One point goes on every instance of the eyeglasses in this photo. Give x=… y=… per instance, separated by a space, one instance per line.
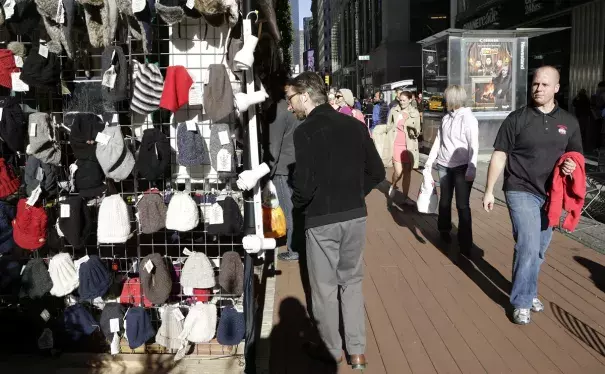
x=338 y=96
x=289 y=98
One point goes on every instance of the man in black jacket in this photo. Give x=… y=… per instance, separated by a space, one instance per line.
x=337 y=165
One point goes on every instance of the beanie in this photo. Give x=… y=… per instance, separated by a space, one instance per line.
x=152 y=212
x=112 y=311
x=41 y=143
x=84 y=130
x=231 y=327
x=231 y=274
x=170 y=11
x=95 y=279
x=216 y=146
x=9 y=182
x=176 y=86
x=170 y=329
x=35 y=280
x=218 y=94
x=115 y=158
x=114 y=221
x=156 y=282
x=119 y=91
x=200 y=324
x=29 y=226
x=77 y=225
x=101 y=21
x=59 y=33
x=138 y=327
x=10 y=276
x=7 y=66
x=63 y=275
x=154 y=154
x=347 y=95
x=12 y=124
x=192 y=149
x=43 y=72
x=48 y=184
x=182 y=213
x=89 y=179
x=131 y=293
x=198 y=271
x=7 y=214
x=26 y=19
x=78 y=322
x=232 y=219
x=148 y=87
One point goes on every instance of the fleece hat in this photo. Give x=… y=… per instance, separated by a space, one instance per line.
x=48 y=174
x=170 y=11
x=119 y=91
x=154 y=154
x=182 y=214
x=218 y=132
x=152 y=212
x=170 y=329
x=7 y=66
x=200 y=323
x=101 y=21
x=75 y=221
x=7 y=214
x=41 y=142
x=148 y=87
x=138 y=327
x=60 y=33
x=231 y=327
x=84 y=130
x=155 y=279
x=131 y=293
x=29 y=226
x=13 y=124
x=63 y=274
x=114 y=221
x=115 y=158
x=78 y=322
x=42 y=72
x=95 y=279
x=231 y=274
x=218 y=94
x=198 y=271
x=192 y=149
x=35 y=280
x=347 y=95
x=9 y=182
x=176 y=87
x=232 y=219
x=112 y=311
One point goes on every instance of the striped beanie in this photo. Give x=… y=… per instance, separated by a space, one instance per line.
x=148 y=87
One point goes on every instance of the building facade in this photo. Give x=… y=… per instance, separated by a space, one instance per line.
x=322 y=37
x=295 y=48
x=307 y=32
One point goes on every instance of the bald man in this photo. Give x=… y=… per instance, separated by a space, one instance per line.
x=528 y=145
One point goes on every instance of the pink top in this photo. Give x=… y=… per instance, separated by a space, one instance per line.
x=345 y=110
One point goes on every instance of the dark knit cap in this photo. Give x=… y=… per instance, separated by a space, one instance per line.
x=152 y=213
x=26 y=20
x=13 y=124
x=111 y=311
x=85 y=128
x=49 y=179
x=231 y=275
x=231 y=327
x=154 y=154
x=95 y=279
x=232 y=219
x=77 y=227
x=138 y=327
x=78 y=322
x=157 y=284
x=192 y=149
x=89 y=179
x=119 y=91
x=35 y=280
x=10 y=275
x=218 y=94
x=43 y=72
x=7 y=214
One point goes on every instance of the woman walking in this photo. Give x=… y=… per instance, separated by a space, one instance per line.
x=455 y=150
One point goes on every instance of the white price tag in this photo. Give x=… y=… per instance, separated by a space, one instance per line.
x=196 y=95
x=188 y=291
x=149 y=266
x=138 y=5
x=19 y=61
x=34 y=196
x=65 y=211
x=191 y=126
x=22 y=268
x=43 y=51
x=115 y=118
x=216 y=262
x=17 y=84
x=102 y=138
x=190 y=4
x=45 y=315
x=9 y=9
x=40 y=174
x=224 y=137
x=205 y=76
x=114 y=347
x=114 y=325
x=239 y=308
x=223 y=161
x=1 y=112
x=109 y=77
x=216 y=215
x=178 y=314
x=80 y=261
x=32 y=129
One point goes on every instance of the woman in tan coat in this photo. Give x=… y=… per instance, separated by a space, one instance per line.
x=405 y=119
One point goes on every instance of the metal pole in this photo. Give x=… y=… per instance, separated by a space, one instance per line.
x=357 y=79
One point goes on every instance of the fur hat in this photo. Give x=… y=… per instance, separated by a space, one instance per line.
x=26 y=20
x=198 y=271
x=63 y=274
x=200 y=324
x=152 y=212
x=139 y=25
x=231 y=274
x=115 y=158
x=170 y=329
x=170 y=11
x=17 y=48
x=60 y=33
x=101 y=21
x=41 y=142
x=347 y=95
x=114 y=221
x=219 y=12
x=157 y=283
x=183 y=213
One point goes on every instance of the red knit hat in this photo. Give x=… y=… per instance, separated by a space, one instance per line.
x=29 y=226
x=7 y=66
x=176 y=88
x=9 y=183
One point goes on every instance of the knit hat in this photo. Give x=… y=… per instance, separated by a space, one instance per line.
x=231 y=327
x=138 y=327
x=152 y=213
x=10 y=276
x=170 y=329
x=170 y=11
x=77 y=226
x=112 y=311
x=101 y=21
x=29 y=226
x=216 y=146
x=114 y=221
x=43 y=72
x=63 y=274
x=232 y=219
x=13 y=124
x=41 y=143
x=156 y=283
x=9 y=182
x=148 y=87
x=35 y=280
x=89 y=179
x=347 y=95
x=192 y=149
x=7 y=66
x=49 y=177
x=154 y=154
x=119 y=91
x=176 y=86
x=59 y=32
x=182 y=213
x=200 y=324
x=131 y=293
x=78 y=322
x=26 y=19
x=218 y=94
x=7 y=214
x=84 y=130
x=115 y=158
x=139 y=24
x=231 y=274
x=198 y=271
x=95 y=279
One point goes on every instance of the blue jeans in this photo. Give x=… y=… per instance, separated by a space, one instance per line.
x=450 y=180
x=532 y=237
x=284 y=194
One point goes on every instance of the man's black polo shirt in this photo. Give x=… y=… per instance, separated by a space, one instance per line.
x=534 y=142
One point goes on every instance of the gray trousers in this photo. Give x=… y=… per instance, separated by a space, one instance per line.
x=334 y=259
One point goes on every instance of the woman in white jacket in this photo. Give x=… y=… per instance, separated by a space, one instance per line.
x=455 y=151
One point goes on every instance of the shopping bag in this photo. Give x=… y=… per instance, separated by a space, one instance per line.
x=269 y=196
x=428 y=200
x=274 y=222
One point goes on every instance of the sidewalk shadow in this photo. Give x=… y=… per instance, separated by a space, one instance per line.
x=581 y=330
x=597 y=271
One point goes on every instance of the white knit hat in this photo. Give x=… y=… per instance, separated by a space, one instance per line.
x=63 y=274
x=171 y=328
x=198 y=271
x=114 y=221
x=200 y=324
x=182 y=214
x=115 y=158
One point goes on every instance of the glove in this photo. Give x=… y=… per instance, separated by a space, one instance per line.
x=249 y=178
x=254 y=243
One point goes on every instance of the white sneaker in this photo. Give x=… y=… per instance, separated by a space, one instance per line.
x=537 y=306
x=522 y=316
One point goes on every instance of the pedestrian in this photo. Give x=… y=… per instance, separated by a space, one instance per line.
x=383 y=138
x=529 y=143
x=345 y=101
x=332 y=101
x=380 y=111
x=414 y=102
x=395 y=100
x=357 y=104
x=337 y=166
x=455 y=150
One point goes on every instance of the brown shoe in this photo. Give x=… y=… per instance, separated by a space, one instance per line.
x=358 y=362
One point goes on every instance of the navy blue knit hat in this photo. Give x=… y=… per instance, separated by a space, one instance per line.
x=10 y=277
x=138 y=327
x=78 y=322
x=231 y=327
x=7 y=214
x=95 y=279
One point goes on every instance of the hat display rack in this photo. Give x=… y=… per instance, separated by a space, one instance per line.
x=165 y=236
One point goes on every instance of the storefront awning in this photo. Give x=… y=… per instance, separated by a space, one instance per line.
x=518 y=33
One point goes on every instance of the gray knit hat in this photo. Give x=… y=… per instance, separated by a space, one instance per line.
x=171 y=328
x=41 y=143
x=148 y=87
x=156 y=283
x=112 y=311
x=218 y=94
x=152 y=213
x=119 y=91
x=49 y=177
x=198 y=271
x=115 y=158
x=216 y=146
x=231 y=274
x=35 y=280
x=192 y=149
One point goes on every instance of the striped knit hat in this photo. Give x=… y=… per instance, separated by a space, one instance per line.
x=148 y=87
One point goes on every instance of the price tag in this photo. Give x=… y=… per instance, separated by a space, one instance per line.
x=32 y=129
x=239 y=308
x=43 y=51
x=114 y=347
x=188 y=291
x=45 y=315
x=34 y=196
x=109 y=77
x=190 y=4
x=196 y=95
x=216 y=215
x=22 y=269
x=138 y=5
x=102 y=138
x=149 y=266
x=224 y=137
x=1 y=112
x=19 y=61
x=191 y=126
x=40 y=174
x=178 y=314
x=223 y=161
x=115 y=118
x=17 y=84
x=9 y=9
x=216 y=262
x=80 y=261
x=60 y=17
x=114 y=325
x=204 y=45
x=65 y=211
x=155 y=146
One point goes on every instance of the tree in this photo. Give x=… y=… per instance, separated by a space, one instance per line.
x=283 y=15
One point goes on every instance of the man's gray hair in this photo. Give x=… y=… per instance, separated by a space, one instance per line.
x=312 y=84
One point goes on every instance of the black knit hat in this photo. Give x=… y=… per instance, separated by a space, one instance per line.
x=154 y=154
x=95 y=279
x=26 y=20
x=77 y=227
x=10 y=277
x=49 y=177
x=13 y=124
x=43 y=72
x=119 y=91
x=84 y=130
x=232 y=219
x=111 y=311
x=89 y=179
x=231 y=275
x=157 y=284
x=35 y=280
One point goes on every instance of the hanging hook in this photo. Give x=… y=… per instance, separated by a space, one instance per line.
x=255 y=12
